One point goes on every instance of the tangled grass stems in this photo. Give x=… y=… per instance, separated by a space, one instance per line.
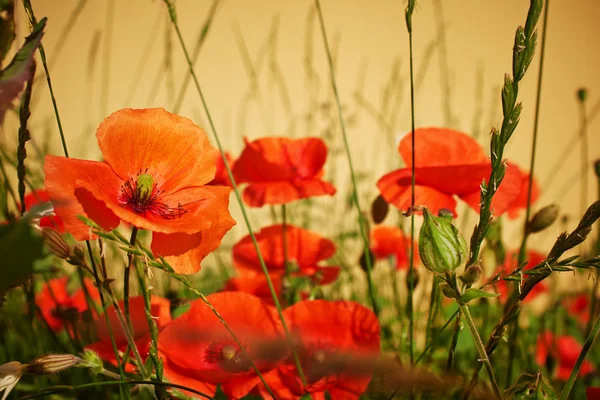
x=355 y=198
x=173 y=18
x=411 y=263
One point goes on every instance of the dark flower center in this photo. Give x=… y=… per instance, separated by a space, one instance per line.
x=142 y=195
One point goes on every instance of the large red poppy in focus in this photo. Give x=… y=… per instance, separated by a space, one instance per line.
x=160 y=308
x=279 y=170
x=305 y=251
x=448 y=163
x=564 y=350
x=156 y=165
x=330 y=334
x=198 y=351
x=389 y=241
x=59 y=307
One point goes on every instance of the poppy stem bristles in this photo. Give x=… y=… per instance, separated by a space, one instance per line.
x=355 y=199
x=173 y=18
x=411 y=263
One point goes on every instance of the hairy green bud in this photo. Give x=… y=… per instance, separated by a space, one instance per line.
x=441 y=246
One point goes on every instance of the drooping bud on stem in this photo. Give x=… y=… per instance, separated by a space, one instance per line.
x=441 y=246
x=52 y=363
x=543 y=218
x=56 y=243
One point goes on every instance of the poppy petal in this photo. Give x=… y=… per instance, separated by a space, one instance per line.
x=304 y=247
x=441 y=147
x=171 y=148
x=283 y=192
x=62 y=175
x=184 y=377
x=509 y=190
x=520 y=202
x=399 y=194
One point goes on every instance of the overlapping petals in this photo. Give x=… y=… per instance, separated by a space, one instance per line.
x=332 y=338
x=160 y=310
x=38 y=197
x=389 y=241
x=448 y=163
x=156 y=165
x=60 y=308
x=280 y=170
x=221 y=176
x=200 y=353
x=305 y=250
x=564 y=351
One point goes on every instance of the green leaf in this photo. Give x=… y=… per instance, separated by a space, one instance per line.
x=472 y=294
x=20 y=247
x=14 y=76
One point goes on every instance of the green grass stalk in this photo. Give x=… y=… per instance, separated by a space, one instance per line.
x=173 y=17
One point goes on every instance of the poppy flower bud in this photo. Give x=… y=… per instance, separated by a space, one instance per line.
x=415 y=279
x=543 y=218
x=472 y=274
x=52 y=363
x=582 y=94
x=441 y=246
x=56 y=243
x=379 y=209
x=597 y=168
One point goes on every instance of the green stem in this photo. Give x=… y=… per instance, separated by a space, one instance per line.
x=434 y=302
x=173 y=17
x=411 y=271
x=106 y=317
x=126 y=278
x=564 y=395
x=64 y=389
x=361 y=222
x=454 y=342
x=523 y=250
x=439 y=335
x=483 y=356
x=284 y=235
x=584 y=157
x=33 y=20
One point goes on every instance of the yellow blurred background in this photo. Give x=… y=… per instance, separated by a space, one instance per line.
x=125 y=54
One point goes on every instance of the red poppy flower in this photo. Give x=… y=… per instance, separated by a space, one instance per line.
x=564 y=350
x=592 y=393
x=156 y=165
x=255 y=283
x=221 y=176
x=279 y=170
x=61 y=308
x=327 y=331
x=579 y=307
x=305 y=250
x=198 y=352
x=520 y=202
x=448 y=163
x=160 y=309
x=389 y=241
x=510 y=263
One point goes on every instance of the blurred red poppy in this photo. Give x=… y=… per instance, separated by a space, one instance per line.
x=389 y=241
x=221 y=176
x=332 y=336
x=156 y=165
x=280 y=170
x=510 y=264
x=199 y=352
x=160 y=309
x=305 y=250
x=579 y=307
x=520 y=203
x=60 y=308
x=564 y=351
x=255 y=283
x=592 y=393
x=448 y=163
